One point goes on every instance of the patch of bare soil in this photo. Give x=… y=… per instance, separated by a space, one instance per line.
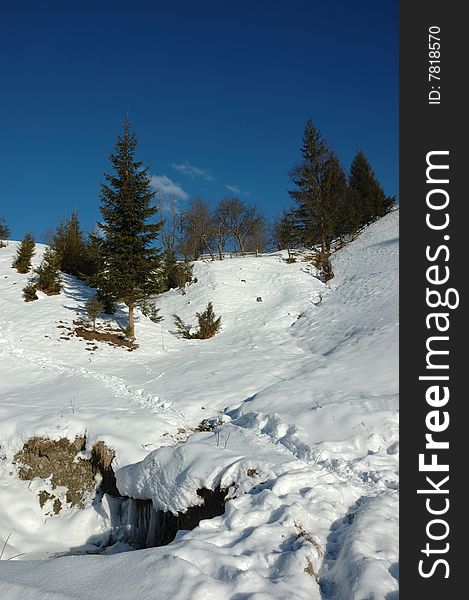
x=106 y=333
x=111 y=335
x=60 y=460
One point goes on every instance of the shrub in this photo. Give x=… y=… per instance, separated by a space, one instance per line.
x=183 y=329
x=208 y=325
x=29 y=292
x=94 y=306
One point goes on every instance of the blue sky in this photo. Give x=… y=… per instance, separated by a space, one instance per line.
x=218 y=93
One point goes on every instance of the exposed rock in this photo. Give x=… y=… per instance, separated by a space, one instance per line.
x=59 y=460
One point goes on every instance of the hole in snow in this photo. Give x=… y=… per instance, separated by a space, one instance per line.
x=141 y=526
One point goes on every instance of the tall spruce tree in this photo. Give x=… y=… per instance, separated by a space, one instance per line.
x=24 y=254
x=335 y=186
x=350 y=216
x=366 y=192
x=130 y=270
x=320 y=187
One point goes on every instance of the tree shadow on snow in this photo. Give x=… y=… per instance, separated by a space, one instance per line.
x=80 y=292
x=390 y=242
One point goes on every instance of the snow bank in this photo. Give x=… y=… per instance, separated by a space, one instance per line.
x=171 y=476
x=305 y=383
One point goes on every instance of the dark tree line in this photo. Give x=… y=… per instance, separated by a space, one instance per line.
x=328 y=205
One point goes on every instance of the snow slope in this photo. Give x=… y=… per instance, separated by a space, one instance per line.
x=304 y=386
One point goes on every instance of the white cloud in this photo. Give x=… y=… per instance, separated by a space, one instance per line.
x=190 y=170
x=167 y=187
x=233 y=188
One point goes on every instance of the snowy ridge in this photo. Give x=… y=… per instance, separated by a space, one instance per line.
x=304 y=388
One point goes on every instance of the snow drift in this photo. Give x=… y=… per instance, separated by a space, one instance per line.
x=303 y=396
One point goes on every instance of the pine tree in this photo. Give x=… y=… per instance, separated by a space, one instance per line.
x=335 y=187
x=183 y=329
x=286 y=232
x=366 y=192
x=208 y=324
x=24 y=254
x=320 y=186
x=93 y=265
x=48 y=273
x=130 y=269
x=150 y=310
x=69 y=244
x=4 y=232
x=349 y=222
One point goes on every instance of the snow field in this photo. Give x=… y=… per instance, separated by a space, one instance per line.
x=305 y=387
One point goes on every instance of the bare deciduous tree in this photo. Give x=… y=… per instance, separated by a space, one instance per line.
x=240 y=221
x=199 y=230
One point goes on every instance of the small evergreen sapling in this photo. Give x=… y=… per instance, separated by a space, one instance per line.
x=182 y=328
x=29 y=292
x=94 y=307
x=24 y=254
x=48 y=273
x=149 y=309
x=208 y=325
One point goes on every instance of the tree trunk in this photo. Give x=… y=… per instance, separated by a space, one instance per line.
x=131 y=324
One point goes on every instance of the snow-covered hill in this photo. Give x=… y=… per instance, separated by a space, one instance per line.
x=304 y=386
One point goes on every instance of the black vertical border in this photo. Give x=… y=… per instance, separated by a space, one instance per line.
x=424 y=128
